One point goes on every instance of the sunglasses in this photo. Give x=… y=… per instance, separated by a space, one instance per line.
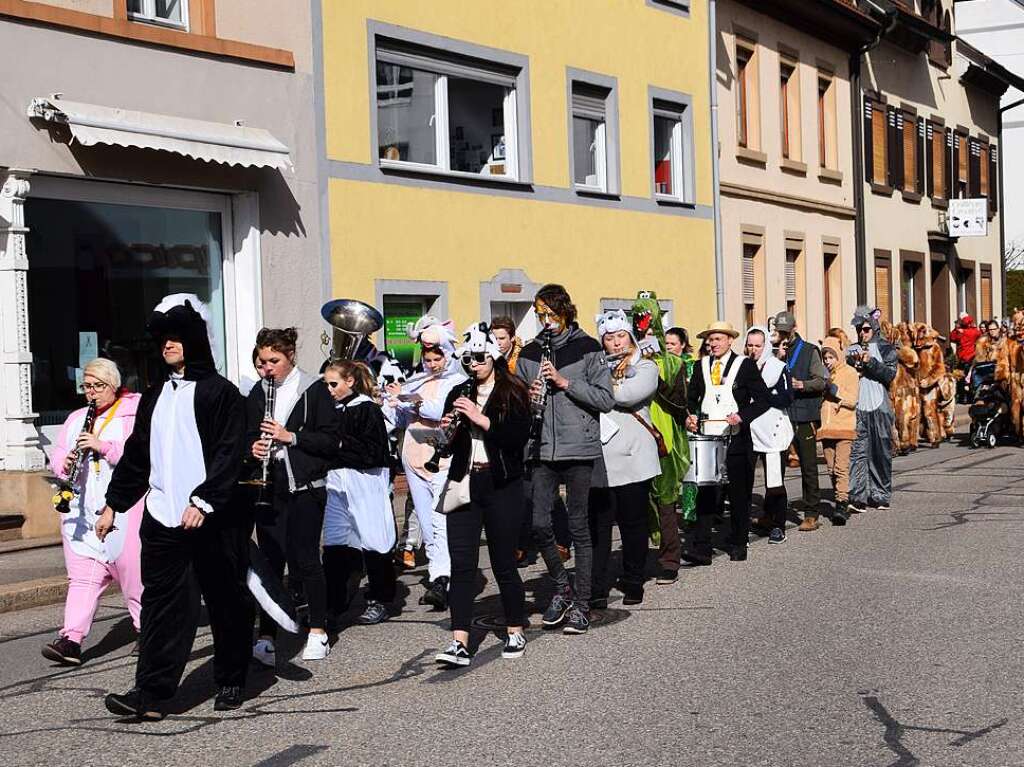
x=333 y=384
x=469 y=357
x=864 y=330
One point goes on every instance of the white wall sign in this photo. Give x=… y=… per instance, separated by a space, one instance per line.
x=968 y=218
x=88 y=346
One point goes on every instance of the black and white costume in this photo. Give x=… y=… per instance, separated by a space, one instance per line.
x=289 y=530
x=185 y=450
x=359 y=527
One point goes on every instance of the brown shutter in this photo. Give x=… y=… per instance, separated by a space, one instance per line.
x=986 y=291
x=974 y=168
x=929 y=152
x=880 y=169
x=909 y=174
x=993 y=177
x=983 y=167
x=963 y=159
x=883 y=281
x=919 y=156
x=947 y=154
x=894 y=149
x=869 y=136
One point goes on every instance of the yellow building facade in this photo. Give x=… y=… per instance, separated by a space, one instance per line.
x=475 y=151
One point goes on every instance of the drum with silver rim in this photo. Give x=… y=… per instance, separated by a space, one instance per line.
x=707 y=459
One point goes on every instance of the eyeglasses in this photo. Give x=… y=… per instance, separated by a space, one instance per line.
x=96 y=387
x=542 y=315
x=469 y=357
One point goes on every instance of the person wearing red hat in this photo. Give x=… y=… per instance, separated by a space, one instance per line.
x=965 y=335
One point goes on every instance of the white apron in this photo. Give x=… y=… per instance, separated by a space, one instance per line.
x=719 y=401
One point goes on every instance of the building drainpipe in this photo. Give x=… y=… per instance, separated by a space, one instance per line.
x=716 y=189
x=856 y=107
x=1002 y=199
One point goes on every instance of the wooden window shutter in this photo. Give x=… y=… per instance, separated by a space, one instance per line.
x=791 y=257
x=908 y=129
x=963 y=158
x=869 y=154
x=882 y=287
x=993 y=177
x=947 y=157
x=748 y=275
x=983 y=169
x=974 y=168
x=919 y=157
x=986 y=291
x=880 y=170
x=895 y=119
x=929 y=152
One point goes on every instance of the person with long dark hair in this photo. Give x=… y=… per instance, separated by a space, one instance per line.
x=484 y=490
x=302 y=438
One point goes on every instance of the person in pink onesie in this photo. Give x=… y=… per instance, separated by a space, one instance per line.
x=93 y=564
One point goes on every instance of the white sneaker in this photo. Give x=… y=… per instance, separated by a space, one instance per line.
x=264 y=653
x=317 y=647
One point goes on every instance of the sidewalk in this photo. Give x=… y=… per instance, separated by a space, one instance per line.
x=30 y=577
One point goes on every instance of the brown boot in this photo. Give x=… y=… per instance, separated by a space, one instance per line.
x=809 y=524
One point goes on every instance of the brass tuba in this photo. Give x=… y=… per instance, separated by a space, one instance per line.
x=351 y=321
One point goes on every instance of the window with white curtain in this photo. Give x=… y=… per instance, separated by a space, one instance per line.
x=673 y=171
x=590 y=137
x=446 y=114
x=173 y=13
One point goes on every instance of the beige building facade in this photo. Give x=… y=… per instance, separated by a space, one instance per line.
x=931 y=131
x=787 y=180
x=145 y=149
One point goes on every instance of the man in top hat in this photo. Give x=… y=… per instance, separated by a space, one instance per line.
x=726 y=394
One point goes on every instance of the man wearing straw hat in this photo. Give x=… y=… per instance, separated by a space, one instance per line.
x=726 y=394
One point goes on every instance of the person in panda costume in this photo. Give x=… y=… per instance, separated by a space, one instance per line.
x=184 y=457
x=359 y=523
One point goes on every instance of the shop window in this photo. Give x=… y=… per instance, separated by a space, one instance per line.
x=113 y=263
x=594 y=142
x=673 y=151
x=172 y=13
x=446 y=114
x=828 y=152
x=789 y=110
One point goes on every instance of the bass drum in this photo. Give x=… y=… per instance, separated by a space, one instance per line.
x=707 y=459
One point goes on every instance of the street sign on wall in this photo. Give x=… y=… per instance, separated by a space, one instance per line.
x=968 y=218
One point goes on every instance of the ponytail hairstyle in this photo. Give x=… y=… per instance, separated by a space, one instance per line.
x=364 y=382
x=281 y=340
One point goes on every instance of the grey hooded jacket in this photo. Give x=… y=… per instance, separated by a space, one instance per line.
x=571 y=430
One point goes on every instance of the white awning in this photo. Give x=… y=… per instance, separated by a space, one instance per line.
x=91 y=124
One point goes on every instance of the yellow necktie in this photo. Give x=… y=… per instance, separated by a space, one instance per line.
x=716 y=373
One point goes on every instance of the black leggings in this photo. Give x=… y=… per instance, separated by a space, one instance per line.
x=289 y=532
x=628 y=506
x=776 y=502
x=498 y=511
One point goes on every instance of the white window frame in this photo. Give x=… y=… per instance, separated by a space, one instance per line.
x=677 y=107
x=148 y=15
x=606 y=140
x=240 y=249
x=442 y=70
x=600 y=149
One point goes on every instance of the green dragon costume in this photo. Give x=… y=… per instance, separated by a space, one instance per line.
x=666 y=408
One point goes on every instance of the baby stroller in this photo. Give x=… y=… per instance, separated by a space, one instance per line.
x=990 y=411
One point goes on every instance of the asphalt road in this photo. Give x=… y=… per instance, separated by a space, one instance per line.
x=893 y=641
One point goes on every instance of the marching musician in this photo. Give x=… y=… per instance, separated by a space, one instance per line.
x=727 y=391
x=93 y=564
x=359 y=525
x=183 y=457
x=301 y=438
x=485 y=490
x=418 y=407
x=622 y=479
x=572 y=383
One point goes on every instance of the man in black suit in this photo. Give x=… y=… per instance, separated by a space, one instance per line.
x=727 y=391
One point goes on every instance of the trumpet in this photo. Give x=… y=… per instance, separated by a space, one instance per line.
x=263 y=482
x=66 y=488
x=446 y=445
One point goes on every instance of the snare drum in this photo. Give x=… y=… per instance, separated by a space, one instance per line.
x=707 y=459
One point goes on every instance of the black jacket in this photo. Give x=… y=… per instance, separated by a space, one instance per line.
x=363 y=436
x=314 y=422
x=503 y=442
x=749 y=391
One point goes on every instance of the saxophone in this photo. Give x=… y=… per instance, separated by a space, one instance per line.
x=66 y=488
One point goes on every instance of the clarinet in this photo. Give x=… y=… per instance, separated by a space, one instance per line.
x=265 y=481
x=446 y=446
x=79 y=457
x=539 y=401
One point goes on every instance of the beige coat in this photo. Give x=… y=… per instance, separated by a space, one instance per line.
x=839 y=411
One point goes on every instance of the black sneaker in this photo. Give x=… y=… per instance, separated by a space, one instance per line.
x=515 y=645
x=131 y=704
x=577 y=621
x=374 y=613
x=667 y=577
x=777 y=535
x=437 y=595
x=560 y=604
x=63 y=651
x=228 y=699
x=696 y=559
x=855 y=508
x=839 y=516
x=599 y=603
x=632 y=593
x=455 y=655
x=738 y=554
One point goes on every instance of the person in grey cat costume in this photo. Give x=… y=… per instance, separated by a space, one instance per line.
x=871 y=458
